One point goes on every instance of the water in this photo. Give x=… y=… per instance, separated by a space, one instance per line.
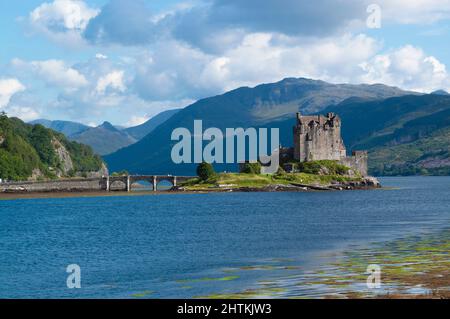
x=182 y=246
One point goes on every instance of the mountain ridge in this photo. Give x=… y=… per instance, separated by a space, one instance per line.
x=242 y=107
x=140 y=131
x=104 y=138
x=67 y=128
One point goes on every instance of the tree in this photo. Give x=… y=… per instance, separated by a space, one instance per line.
x=121 y=173
x=205 y=171
x=251 y=168
x=41 y=139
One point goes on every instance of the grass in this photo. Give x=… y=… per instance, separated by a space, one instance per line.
x=233 y=180
x=314 y=173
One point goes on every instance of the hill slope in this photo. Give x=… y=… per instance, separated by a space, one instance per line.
x=65 y=127
x=243 y=107
x=104 y=139
x=405 y=135
x=429 y=155
x=140 y=131
x=33 y=151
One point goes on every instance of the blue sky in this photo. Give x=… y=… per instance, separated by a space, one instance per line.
x=126 y=60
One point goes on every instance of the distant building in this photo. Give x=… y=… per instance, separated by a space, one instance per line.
x=318 y=137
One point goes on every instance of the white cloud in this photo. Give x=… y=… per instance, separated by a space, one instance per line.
x=56 y=73
x=415 y=11
x=259 y=58
x=63 y=21
x=407 y=67
x=268 y=57
x=113 y=80
x=62 y=15
x=9 y=87
x=136 y=120
x=217 y=25
x=26 y=114
x=101 y=56
x=209 y=47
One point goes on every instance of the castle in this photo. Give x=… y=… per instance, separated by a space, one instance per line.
x=318 y=137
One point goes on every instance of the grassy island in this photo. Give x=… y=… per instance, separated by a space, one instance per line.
x=315 y=174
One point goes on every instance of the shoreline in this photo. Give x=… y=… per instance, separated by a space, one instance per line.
x=267 y=189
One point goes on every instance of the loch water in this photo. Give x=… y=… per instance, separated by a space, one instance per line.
x=190 y=245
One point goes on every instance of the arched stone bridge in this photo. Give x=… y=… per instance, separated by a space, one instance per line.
x=125 y=182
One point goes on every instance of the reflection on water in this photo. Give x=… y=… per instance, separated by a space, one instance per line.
x=144 y=186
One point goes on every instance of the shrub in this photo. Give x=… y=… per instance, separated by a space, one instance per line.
x=205 y=171
x=318 y=167
x=251 y=168
x=121 y=173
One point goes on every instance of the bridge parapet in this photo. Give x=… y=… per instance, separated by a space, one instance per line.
x=154 y=180
x=108 y=183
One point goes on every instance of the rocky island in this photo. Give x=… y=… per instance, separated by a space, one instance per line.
x=325 y=175
x=317 y=161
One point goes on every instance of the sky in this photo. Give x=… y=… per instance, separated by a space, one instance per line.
x=124 y=61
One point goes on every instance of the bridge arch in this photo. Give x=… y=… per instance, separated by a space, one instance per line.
x=165 y=184
x=154 y=182
x=141 y=183
x=117 y=185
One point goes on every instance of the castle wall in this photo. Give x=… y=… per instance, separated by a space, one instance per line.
x=358 y=162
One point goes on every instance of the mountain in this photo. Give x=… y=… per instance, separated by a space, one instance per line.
x=33 y=152
x=66 y=127
x=243 y=107
x=404 y=135
x=140 y=131
x=104 y=139
x=440 y=92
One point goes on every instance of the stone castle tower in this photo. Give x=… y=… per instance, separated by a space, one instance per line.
x=318 y=137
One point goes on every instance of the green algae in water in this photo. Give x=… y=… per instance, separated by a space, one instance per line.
x=142 y=294
x=247 y=294
x=206 y=279
x=400 y=260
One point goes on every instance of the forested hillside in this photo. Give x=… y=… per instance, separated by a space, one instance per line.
x=35 y=152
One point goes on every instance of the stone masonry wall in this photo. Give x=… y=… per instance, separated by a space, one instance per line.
x=55 y=186
x=318 y=138
x=358 y=162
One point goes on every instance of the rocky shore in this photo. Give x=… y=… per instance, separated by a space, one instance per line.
x=364 y=184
